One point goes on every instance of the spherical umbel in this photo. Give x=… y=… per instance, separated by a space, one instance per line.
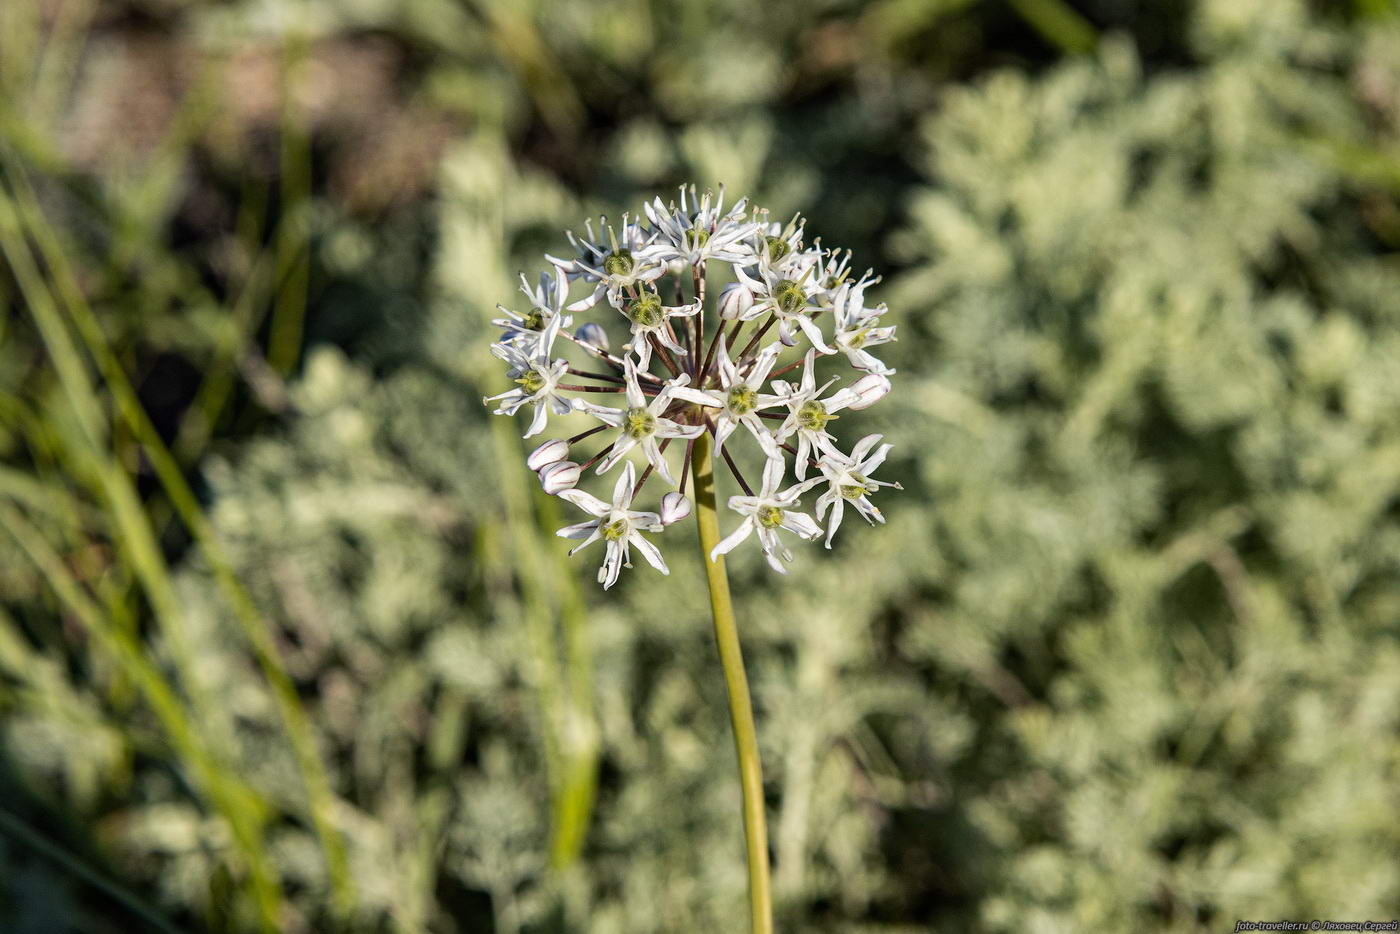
x=699 y=356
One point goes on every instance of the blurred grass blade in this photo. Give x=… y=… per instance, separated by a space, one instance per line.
x=235 y=802
x=1059 y=24
x=12 y=826
x=255 y=629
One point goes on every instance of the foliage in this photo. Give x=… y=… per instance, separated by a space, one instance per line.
x=1124 y=658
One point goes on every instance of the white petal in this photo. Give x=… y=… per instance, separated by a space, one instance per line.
x=732 y=540
x=801 y=524
x=587 y=502
x=657 y=460
x=541 y=418
x=814 y=333
x=697 y=397
x=649 y=552
x=619 y=450
x=622 y=490
x=577 y=531
x=612 y=565
x=837 y=508
x=773 y=470
x=593 y=537
x=665 y=428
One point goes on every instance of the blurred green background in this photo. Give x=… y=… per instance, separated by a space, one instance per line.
x=286 y=642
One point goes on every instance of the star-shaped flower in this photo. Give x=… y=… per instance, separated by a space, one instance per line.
x=808 y=414
x=623 y=264
x=618 y=524
x=707 y=234
x=546 y=304
x=650 y=319
x=858 y=327
x=768 y=512
x=537 y=378
x=642 y=423
x=737 y=397
x=848 y=479
x=789 y=300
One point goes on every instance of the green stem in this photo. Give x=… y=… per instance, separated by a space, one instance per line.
x=740 y=708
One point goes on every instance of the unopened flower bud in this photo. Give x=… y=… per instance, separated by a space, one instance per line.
x=869 y=389
x=560 y=476
x=593 y=334
x=674 y=508
x=551 y=452
x=734 y=300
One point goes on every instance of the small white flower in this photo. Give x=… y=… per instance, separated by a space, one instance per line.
x=768 y=512
x=789 y=301
x=546 y=306
x=708 y=233
x=642 y=423
x=622 y=264
x=651 y=319
x=857 y=328
x=618 y=525
x=560 y=476
x=848 y=480
x=808 y=414
x=738 y=398
x=538 y=379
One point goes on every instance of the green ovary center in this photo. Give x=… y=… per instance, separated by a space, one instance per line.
x=861 y=487
x=615 y=530
x=812 y=416
x=777 y=248
x=789 y=295
x=532 y=382
x=646 y=311
x=639 y=423
x=742 y=400
x=694 y=239
x=770 y=517
x=618 y=264
x=534 y=321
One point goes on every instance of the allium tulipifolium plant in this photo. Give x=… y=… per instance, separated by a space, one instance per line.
x=675 y=379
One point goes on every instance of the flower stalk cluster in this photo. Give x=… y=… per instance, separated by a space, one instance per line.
x=677 y=376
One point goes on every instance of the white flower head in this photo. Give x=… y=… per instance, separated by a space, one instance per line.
x=688 y=364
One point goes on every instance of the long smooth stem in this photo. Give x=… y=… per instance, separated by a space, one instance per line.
x=740 y=708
